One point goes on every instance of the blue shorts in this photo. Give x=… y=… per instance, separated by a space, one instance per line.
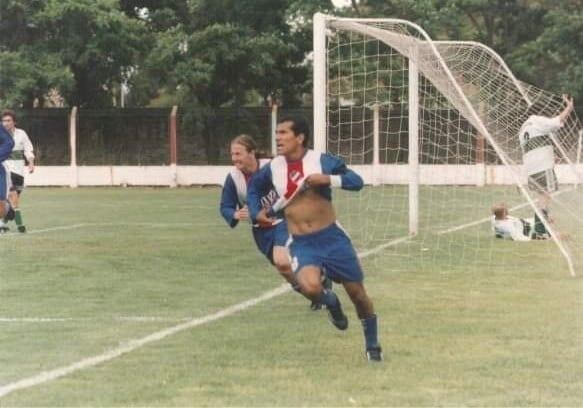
x=267 y=238
x=329 y=249
x=4 y=182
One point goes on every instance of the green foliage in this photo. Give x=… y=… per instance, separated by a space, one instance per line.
x=541 y=40
x=82 y=48
x=212 y=53
x=97 y=41
x=555 y=58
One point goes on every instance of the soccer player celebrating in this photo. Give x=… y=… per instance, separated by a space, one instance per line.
x=303 y=179
x=16 y=163
x=538 y=152
x=6 y=145
x=271 y=235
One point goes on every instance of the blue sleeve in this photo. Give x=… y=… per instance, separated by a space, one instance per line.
x=229 y=202
x=6 y=144
x=335 y=166
x=259 y=186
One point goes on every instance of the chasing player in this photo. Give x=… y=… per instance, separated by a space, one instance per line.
x=270 y=236
x=22 y=156
x=303 y=179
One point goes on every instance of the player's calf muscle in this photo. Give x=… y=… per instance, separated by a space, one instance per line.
x=360 y=299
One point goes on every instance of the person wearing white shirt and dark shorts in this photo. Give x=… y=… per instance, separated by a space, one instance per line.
x=22 y=157
x=538 y=153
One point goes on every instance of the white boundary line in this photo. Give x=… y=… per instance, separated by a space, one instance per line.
x=91 y=319
x=161 y=319
x=110 y=224
x=383 y=246
x=132 y=345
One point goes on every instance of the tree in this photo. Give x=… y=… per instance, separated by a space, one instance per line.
x=27 y=71
x=225 y=52
x=98 y=43
x=554 y=59
x=83 y=48
x=541 y=40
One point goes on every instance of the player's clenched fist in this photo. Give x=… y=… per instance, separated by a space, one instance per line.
x=242 y=214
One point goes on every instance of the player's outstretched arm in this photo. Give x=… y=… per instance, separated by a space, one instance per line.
x=340 y=175
x=568 y=108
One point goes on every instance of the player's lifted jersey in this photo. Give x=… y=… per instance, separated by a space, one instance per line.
x=22 y=150
x=234 y=195
x=536 y=143
x=287 y=179
x=512 y=228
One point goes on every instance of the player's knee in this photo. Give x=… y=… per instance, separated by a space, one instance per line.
x=311 y=290
x=282 y=265
x=286 y=272
x=281 y=258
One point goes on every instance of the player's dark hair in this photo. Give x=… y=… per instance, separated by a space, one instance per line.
x=9 y=113
x=250 y=145
x=299 y=126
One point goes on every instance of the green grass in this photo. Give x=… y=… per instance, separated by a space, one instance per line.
x=464 y=319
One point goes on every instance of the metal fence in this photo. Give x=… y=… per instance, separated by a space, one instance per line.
x=140 y=136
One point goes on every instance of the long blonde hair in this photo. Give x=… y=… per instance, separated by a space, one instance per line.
x=250 y=145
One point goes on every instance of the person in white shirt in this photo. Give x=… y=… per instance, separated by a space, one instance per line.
x=512 y=228
x=22 y=157
x=538 y=151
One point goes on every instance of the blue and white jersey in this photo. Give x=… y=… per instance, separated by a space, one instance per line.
x=6 y=145
x=234 y=195
x=287 y=179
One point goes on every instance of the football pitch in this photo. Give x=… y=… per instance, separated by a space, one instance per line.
x=145 y=297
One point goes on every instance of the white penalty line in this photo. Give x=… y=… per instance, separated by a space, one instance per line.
x=93 y=225
x=158 y=318
x=91 y=319
x=132 y=345
x=135 y=344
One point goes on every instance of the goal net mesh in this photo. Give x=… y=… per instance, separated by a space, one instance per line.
x=470 y=110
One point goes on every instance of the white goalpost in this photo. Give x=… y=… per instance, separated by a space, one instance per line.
x=433 y=128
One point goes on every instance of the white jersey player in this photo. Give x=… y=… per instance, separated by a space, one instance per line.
x=21 y=159
x=538 y=150
x=512 y=228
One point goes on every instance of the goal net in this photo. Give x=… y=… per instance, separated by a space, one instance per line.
x=432 y=126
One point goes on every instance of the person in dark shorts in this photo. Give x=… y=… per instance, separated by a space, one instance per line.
x=21 y=158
